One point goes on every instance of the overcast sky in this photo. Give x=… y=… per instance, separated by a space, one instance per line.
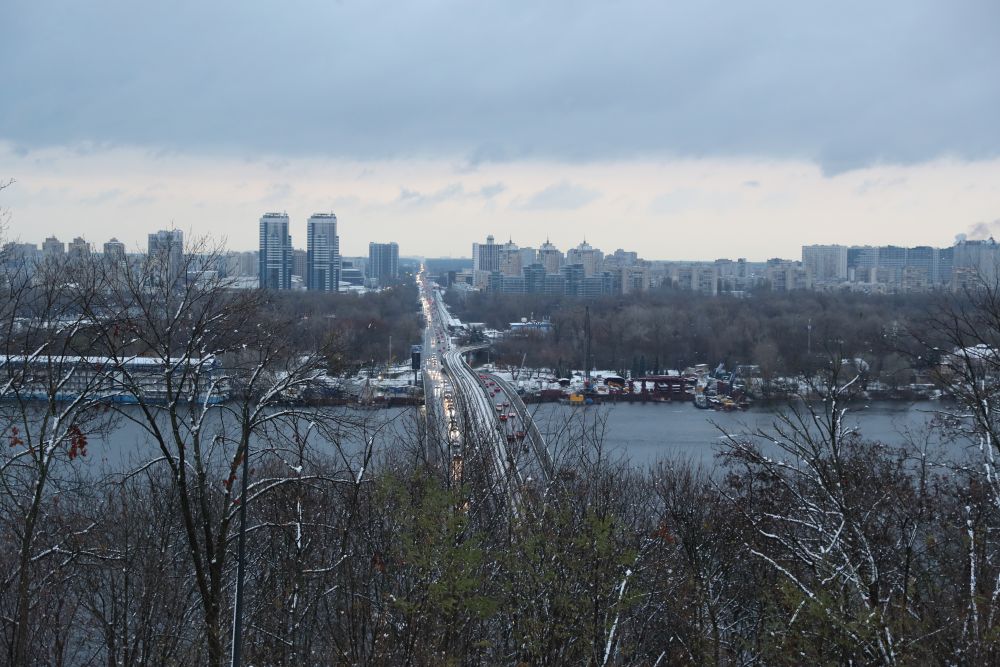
x=679 y=129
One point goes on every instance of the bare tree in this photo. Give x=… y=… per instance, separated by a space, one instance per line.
x=967 y=366
x=51 y=401
x=822 y=517
x=203 y=371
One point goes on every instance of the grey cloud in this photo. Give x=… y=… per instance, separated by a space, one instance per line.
x=567 y=196
x=346 y=201
x=876 y=184
x=685 y=199
x=491 y=191
x=277 y=193
x=414 y=198
x=140 y=201
x=451 y=192
x=103 y=197
x=845 y=84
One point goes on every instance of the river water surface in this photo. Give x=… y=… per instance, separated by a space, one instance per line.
x=643 y=433
x=648 y=432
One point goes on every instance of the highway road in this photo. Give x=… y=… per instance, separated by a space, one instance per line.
x=528 y=432
x=481 y=421
x=471 y=409
x=441 y=418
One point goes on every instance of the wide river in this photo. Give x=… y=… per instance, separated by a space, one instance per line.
x=641 y=433
x=645 y=433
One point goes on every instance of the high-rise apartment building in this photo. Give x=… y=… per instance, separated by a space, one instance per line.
x=323 y=253
x=528 y=256
x=352 y=272
x=927 y=260
x=623 y=258
x=300 y=263
x=248 y=263
x=585 y=254
x=78 y=248
x=786 y=276
x=114 y=249
x=573 y=275
x=889 y=264
x=486 y=256
x=20 y=252
x=53 y=247
x=167 y=248
x=826 y=263
x=534 y=278
x=485 y=260
x=275 y=258
x=20 y=257
x=550 y=257
x=383 y=262
x=974 y=262
x=696 y=277
x=511 y=262
x=635 y=279
x=861 y=262
x=946 y=259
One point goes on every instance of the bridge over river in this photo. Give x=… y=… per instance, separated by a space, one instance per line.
x=480 y=411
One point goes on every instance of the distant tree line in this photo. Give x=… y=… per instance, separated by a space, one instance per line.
x=784 y=333
x=358 y=331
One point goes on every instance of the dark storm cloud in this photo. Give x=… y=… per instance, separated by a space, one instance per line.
x=845 y=84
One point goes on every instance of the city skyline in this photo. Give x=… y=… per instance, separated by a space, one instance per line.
x=581 y=271
x=778 y=124
x=587 y=271
x=301 y=244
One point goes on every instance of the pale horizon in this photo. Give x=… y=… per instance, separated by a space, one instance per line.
x=664 y=210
